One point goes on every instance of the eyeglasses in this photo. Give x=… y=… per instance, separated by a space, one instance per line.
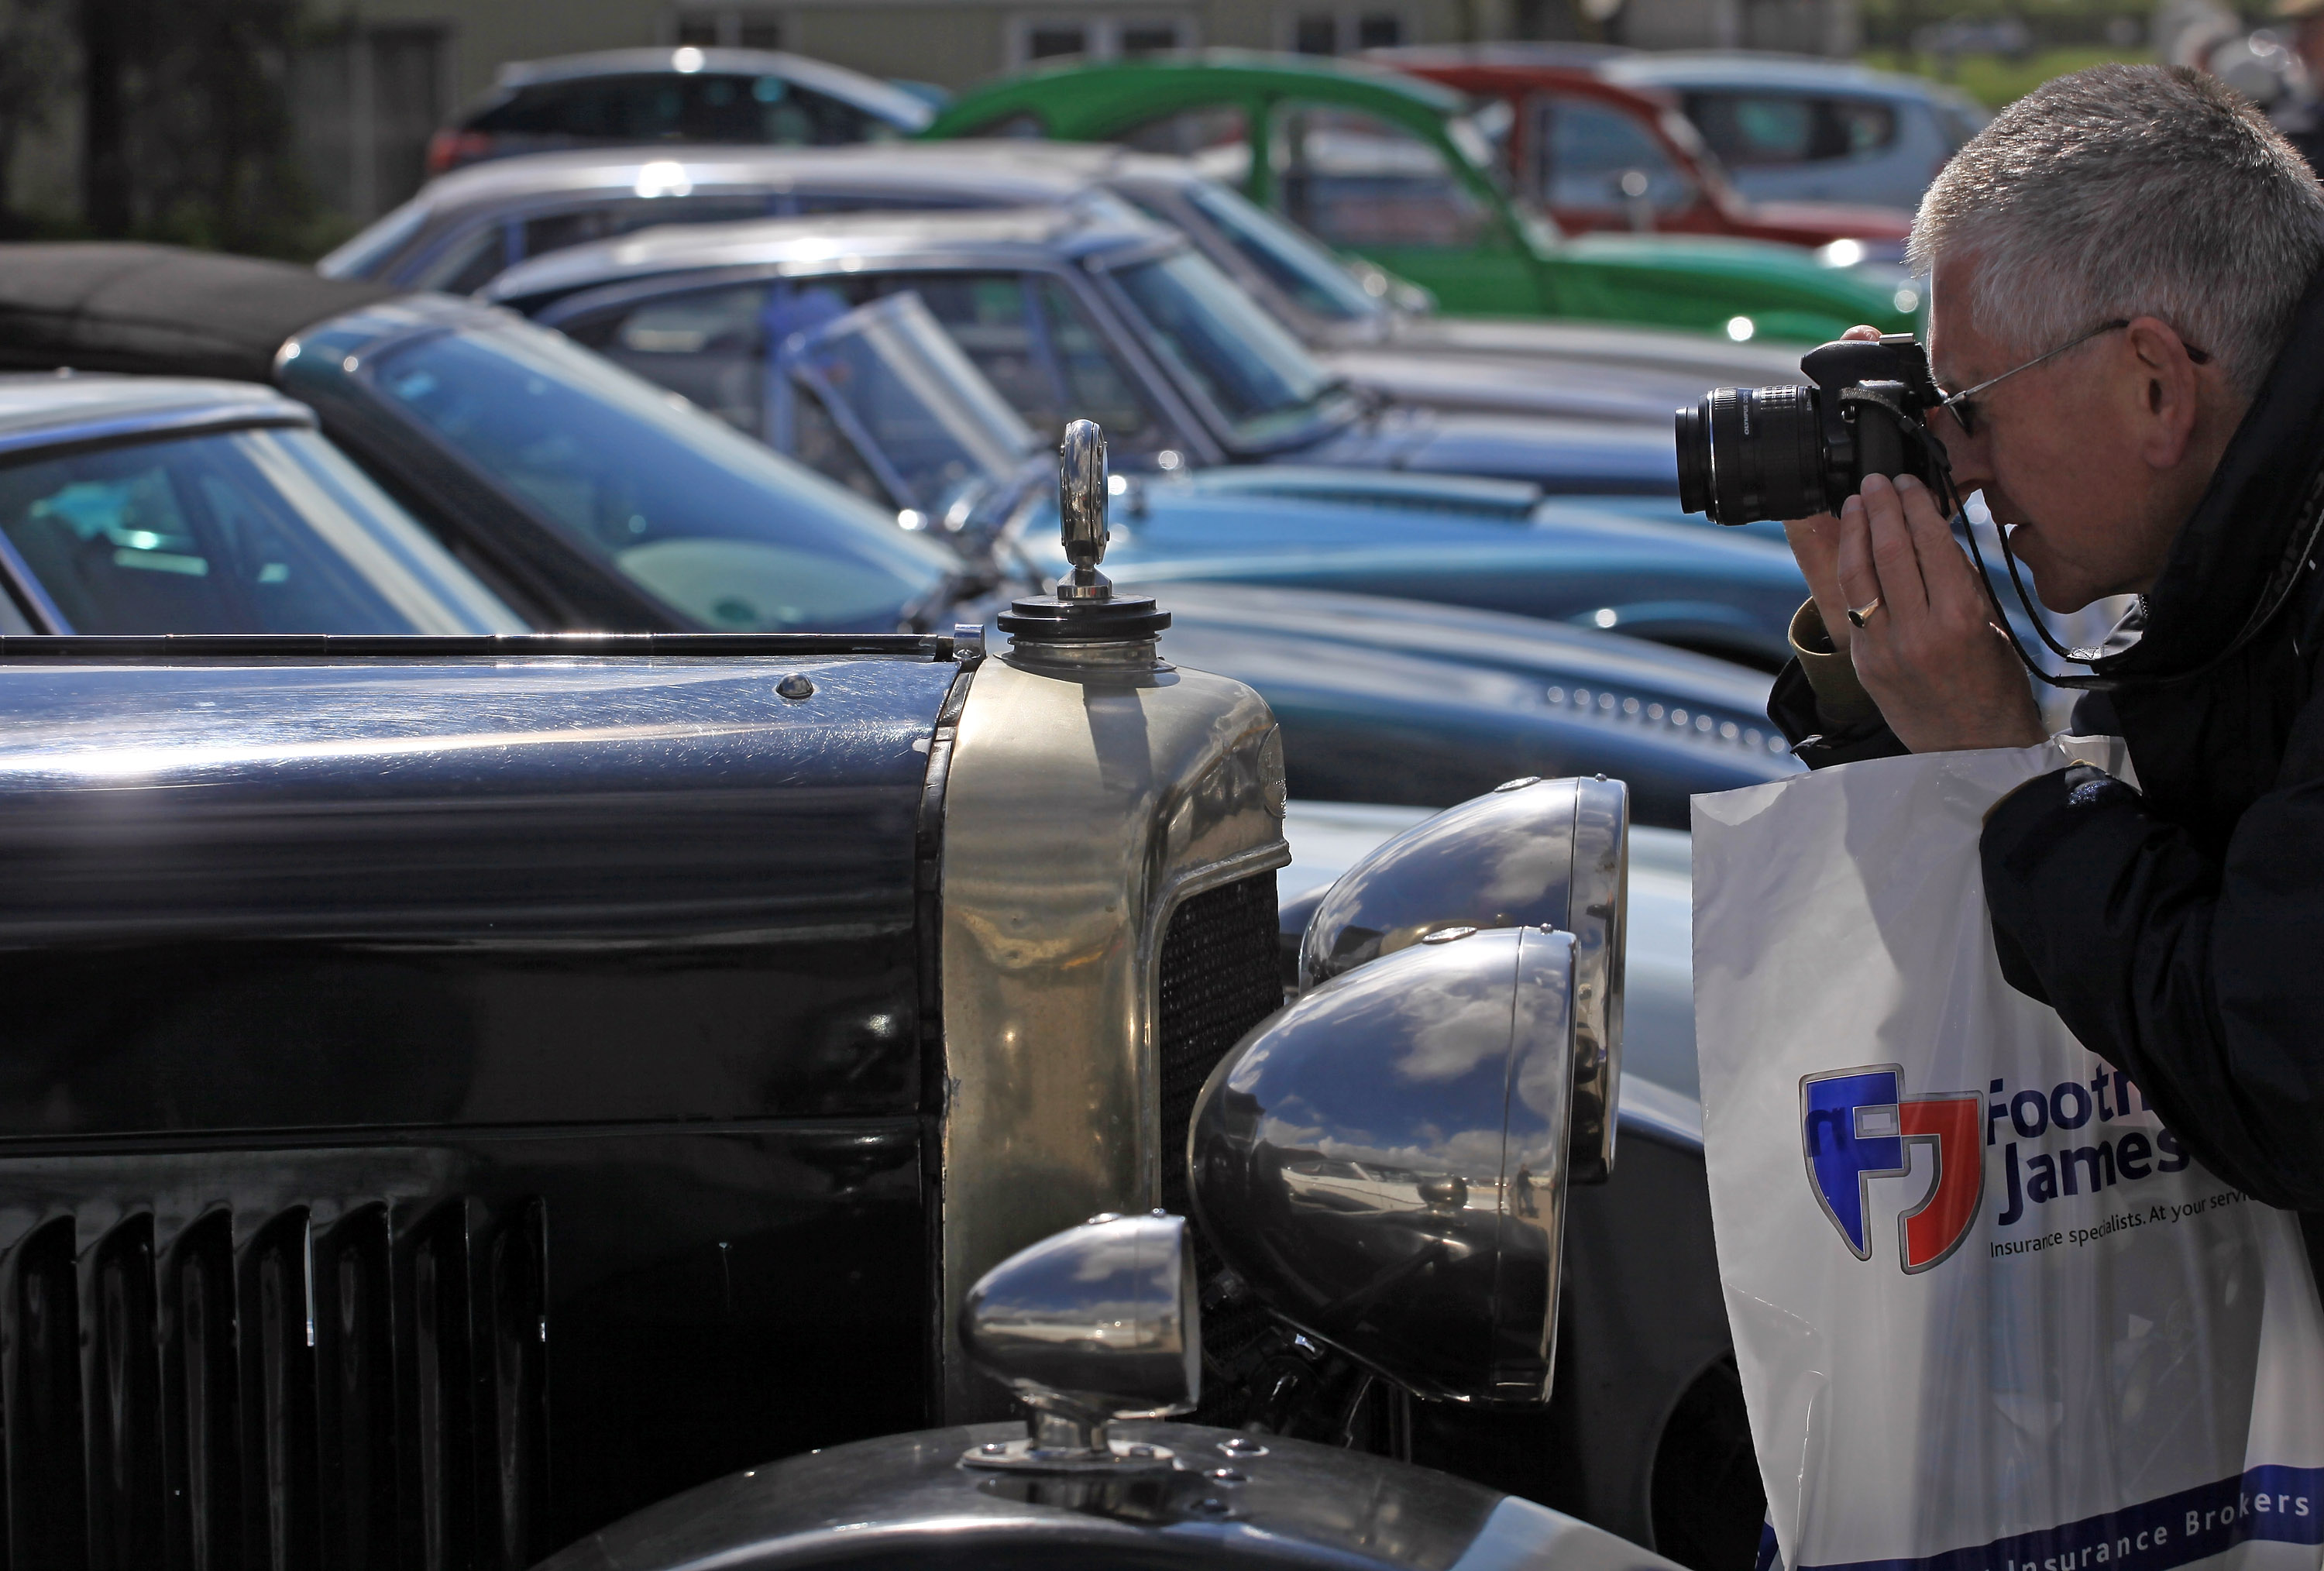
x=1963 y=406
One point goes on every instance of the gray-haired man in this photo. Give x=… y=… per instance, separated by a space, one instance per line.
x=2126 y=295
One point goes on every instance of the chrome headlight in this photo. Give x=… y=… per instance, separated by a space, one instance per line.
x=1385 y=1162
x=1552 y=853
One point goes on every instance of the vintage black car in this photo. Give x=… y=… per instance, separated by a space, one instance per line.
x=465 y=1089
x=588 y=499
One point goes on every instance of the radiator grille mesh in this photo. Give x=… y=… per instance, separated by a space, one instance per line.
x=1219 y=978
x=351 y=1391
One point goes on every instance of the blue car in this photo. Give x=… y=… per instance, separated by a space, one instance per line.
x=882 y=399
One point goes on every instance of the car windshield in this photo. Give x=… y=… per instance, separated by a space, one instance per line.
x=727 y=533
x=1293 y=262
x=1217 y=337
x=890 y=373
x=261 y=531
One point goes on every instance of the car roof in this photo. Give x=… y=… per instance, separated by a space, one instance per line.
x=1755 y=69
x=906 y=111
x=1226 y=63
x=825 y=241
x=115 y=307
x=49 y=409
x=1516 y=52
x=1040 y=170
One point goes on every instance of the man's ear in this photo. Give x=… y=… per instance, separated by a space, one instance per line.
x=2169 y=391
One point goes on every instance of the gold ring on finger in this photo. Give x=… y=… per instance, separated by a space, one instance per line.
x=1857 y=615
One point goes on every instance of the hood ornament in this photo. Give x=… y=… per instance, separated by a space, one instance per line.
x=1083 y=609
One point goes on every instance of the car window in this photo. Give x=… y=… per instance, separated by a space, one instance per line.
x=243 y=532
x=1586 y=150
x=1037 y=345
x=1027 y=335
x=1218 y=339
x=1957 y=122
x=1290 y=259
x=698 y=107
x=1748 y=130
x=1216 y=136
x=727 y=532
x=466 y=262
x=1097 y=385
x=1355 y=179
x=708 y=345
x=919 y=401
x=1861 y=126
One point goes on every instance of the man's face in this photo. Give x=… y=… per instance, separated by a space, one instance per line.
x=2053 y=454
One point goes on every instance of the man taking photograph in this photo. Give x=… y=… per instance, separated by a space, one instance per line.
x=2127 y=316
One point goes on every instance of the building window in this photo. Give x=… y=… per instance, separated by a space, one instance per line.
x=1046 y=40
x=364 y=102
x=1035 y=38
x=1344 y=31
x=727 y=27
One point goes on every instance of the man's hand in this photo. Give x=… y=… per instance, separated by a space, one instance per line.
x=1943 y=675
x=1815 y=543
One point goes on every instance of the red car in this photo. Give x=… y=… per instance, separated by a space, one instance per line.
x=1598 y=155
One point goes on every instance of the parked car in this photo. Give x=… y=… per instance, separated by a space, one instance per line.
x=1797 y=128
x=1088 y=310
x=1601 y=155
x=168 y=505
x=629 y=96
x=462 y=231
x=464 y=1090
x=879 y=399
x=589 y=499
x=1386 y=166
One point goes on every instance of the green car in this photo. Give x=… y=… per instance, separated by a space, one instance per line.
x=1392 y=169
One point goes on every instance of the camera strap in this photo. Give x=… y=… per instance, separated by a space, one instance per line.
x=2274 y=595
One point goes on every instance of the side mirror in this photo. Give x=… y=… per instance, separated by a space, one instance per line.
x=1096 y=1323
x=1531 y=853
x=1385 y=1162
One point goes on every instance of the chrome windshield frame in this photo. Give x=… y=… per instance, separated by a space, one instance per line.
x=1102 y=272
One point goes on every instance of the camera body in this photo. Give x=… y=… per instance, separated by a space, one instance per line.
x=1751 y=453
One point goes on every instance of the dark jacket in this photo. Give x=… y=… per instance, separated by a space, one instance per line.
x=2179 y=928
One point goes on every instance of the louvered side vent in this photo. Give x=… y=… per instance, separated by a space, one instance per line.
x=366 y=1390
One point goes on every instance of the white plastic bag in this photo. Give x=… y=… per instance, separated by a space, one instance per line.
x=1989 y=1315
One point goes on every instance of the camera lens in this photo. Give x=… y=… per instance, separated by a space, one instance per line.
x=1751 y=453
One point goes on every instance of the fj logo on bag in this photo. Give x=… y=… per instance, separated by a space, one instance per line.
x=1855 y=1125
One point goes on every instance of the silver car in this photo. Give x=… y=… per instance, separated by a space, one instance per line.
x=1796 y=128
x=464 y=230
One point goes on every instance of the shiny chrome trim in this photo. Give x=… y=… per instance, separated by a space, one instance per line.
x=1384 y=1163
x=150 y=424
x=1096 y=1323
x=1083 y=804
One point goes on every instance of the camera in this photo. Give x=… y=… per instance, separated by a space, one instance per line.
x=1751 y=453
